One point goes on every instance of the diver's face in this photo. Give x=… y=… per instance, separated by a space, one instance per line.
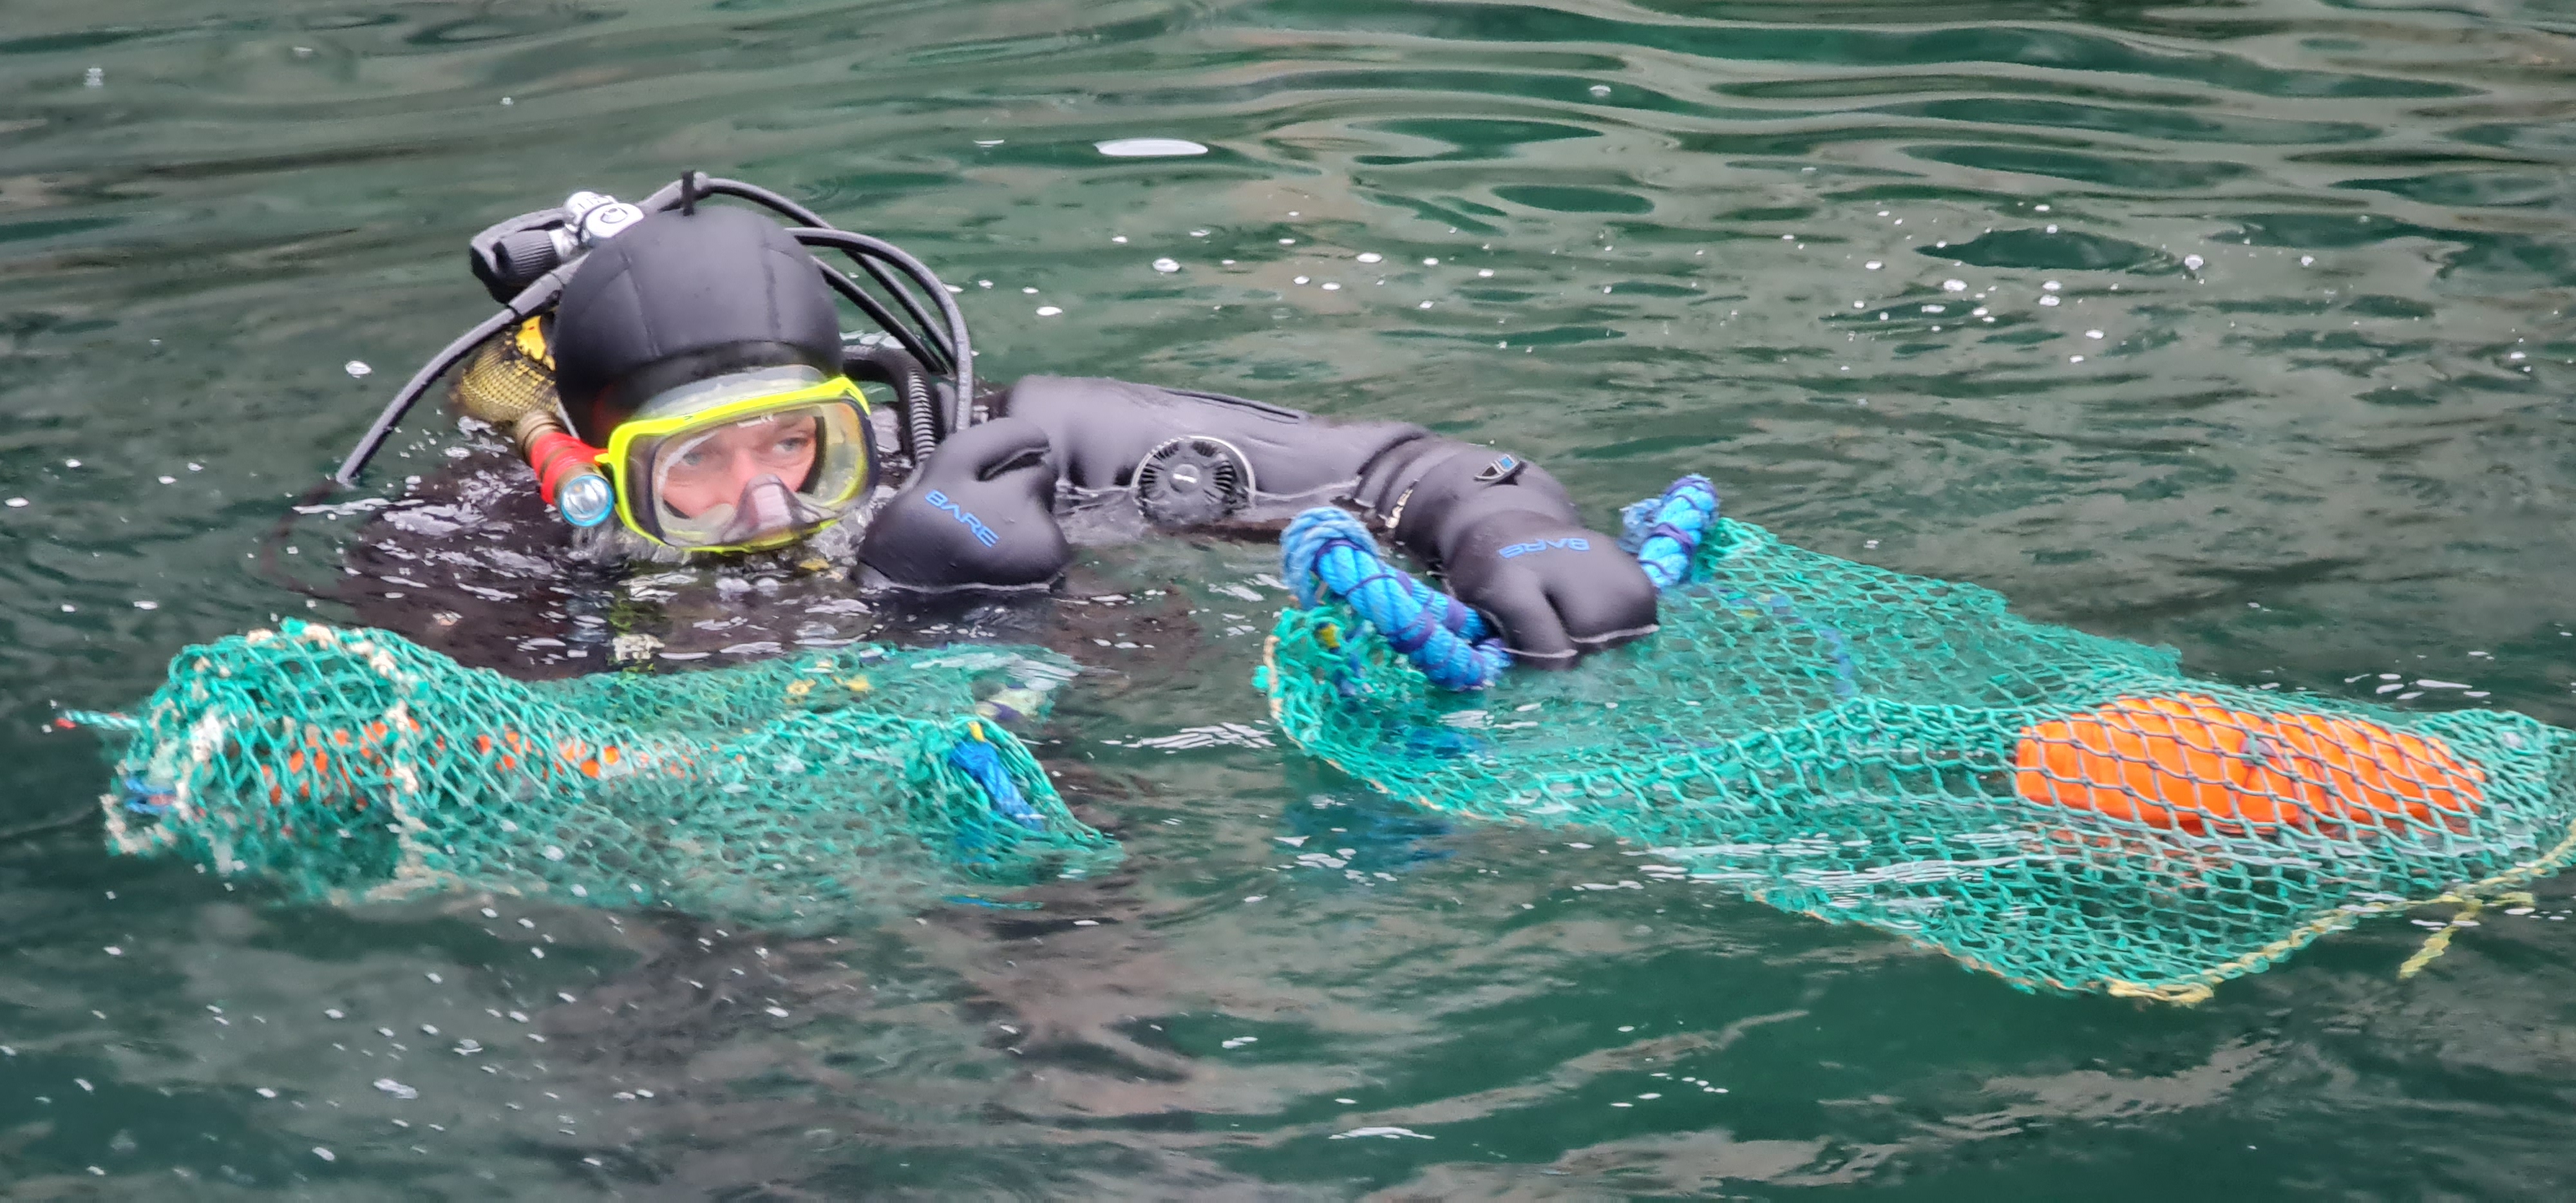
x=714 y=468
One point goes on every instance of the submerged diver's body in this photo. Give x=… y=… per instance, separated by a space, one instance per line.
x=468 y=562
x=696 y=357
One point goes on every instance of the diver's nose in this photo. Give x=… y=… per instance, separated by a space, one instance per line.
x=766 y=505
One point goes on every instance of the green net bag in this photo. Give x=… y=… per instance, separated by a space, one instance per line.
x=2066 y=811
x=822 y=788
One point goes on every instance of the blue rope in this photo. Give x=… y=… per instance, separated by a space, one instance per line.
x=983 y=762
x=1329 y=553
x=1846 y=673
x=142 y=797
x=1665 y=532
x=134 y=792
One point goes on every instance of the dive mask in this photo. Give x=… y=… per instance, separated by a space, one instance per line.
x=741 y=462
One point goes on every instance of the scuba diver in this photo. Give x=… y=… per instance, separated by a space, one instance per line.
x=675 y=374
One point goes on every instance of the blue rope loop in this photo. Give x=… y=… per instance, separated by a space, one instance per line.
x=1328 y=553
x=1665 y=532
x=142 y=797
x=982 y=761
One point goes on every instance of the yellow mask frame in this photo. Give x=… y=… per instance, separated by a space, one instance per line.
x=644 y=435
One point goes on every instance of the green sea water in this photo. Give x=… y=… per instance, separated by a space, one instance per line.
x=2236 y=327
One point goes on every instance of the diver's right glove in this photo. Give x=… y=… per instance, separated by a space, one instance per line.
x=1511 y=545
x=1556 y=589
x=979 y=512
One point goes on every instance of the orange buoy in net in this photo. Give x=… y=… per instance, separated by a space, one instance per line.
x=2190 y=762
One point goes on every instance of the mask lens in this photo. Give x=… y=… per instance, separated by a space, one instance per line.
x=752 y=479
x=712 y=467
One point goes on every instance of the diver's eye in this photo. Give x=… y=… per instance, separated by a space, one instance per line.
x=789 y=441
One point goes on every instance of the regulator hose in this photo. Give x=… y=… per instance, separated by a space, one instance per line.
x=904 y=374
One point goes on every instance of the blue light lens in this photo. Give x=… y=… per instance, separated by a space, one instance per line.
x=585 y=500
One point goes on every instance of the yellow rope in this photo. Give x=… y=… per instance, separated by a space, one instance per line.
x=2438 y=943
x=2299 y=937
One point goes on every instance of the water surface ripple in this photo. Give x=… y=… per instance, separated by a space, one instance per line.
x=2236 y=326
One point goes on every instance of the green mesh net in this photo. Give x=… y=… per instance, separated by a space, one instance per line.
x=821 y=788
x=2066 y=811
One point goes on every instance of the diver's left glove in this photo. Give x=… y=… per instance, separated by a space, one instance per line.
x=979 y=512
x=1507 y=538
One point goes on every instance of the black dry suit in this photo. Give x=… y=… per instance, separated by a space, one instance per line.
x=1500 y=529
x=994 y=478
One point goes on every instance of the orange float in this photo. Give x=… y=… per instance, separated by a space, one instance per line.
x=2190 y=762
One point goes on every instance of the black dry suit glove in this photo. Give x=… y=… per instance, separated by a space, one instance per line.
x=979 y=512
x=1507 y=538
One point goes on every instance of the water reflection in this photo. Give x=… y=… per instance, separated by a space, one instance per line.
x=2316 y=440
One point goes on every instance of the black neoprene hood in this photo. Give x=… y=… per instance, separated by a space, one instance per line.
x=678 y=298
